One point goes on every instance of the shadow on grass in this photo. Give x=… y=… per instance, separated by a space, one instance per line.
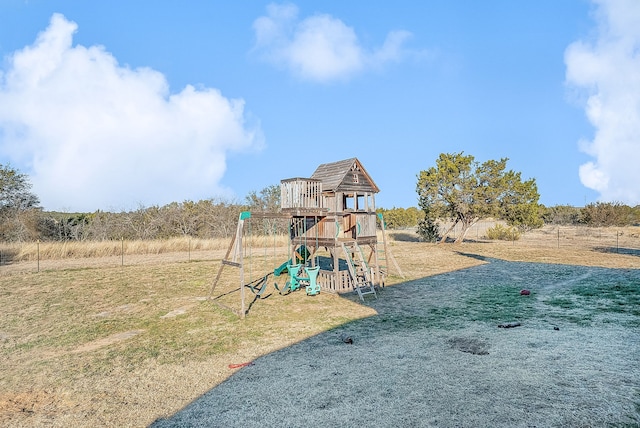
x=433 y=355
x=627 y=251
x=404 y=236
x=475 y=256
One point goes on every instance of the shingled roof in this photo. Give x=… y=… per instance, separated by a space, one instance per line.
x=335 y=175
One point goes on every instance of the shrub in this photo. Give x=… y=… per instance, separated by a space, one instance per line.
x=503 y=233
x=400 y=218
x=602 y=214
x=561 y=214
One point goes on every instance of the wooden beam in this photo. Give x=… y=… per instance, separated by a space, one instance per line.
x=283 y=215
x=226 y=256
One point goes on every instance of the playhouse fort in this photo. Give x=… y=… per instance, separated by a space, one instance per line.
x=334 y=209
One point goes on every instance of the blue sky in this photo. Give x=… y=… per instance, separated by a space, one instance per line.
x=120 y=104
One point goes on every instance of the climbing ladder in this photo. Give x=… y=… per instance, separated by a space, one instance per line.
x=386 y=253
x=359 y=270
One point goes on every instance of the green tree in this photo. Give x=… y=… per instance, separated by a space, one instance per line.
x=635 y=216
x=63 y=226
x=18 y=205
x=518 y=202
x=462 y=190
x=15 y=190
x=182 y=219
x=399 y=218
x=267 y=200
x=561 y=214
x=603 y=214
x=415 y=215
x=427 y=226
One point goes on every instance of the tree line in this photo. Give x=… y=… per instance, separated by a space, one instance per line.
x=597 y=214
x=22 y=219
x=202 y=219
x=457 y=190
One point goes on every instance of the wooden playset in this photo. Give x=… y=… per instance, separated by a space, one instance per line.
x=333 y=209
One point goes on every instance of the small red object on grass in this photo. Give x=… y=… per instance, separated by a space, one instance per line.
x=237 y=366
x=525 y=292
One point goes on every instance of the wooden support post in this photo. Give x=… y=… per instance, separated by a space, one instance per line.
x=387 y=252
x=224 y=262
x=243 y=216
x=336 y=260
x=237 y=260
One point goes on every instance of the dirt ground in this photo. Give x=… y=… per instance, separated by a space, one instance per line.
x=427 y=352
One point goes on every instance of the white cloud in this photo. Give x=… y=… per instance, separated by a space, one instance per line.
x=608 y=68
x=98 y=135
x=320 y=48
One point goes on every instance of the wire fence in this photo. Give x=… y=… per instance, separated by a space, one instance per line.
x=622 y=240
x=58 y=255
x=613 y=239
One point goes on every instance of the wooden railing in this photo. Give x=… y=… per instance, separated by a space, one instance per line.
x=335 y=283
x=351 y=226
x=300 y=193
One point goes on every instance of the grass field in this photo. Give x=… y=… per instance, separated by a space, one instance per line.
x=93 y=343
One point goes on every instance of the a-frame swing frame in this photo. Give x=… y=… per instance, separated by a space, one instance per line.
x=234 y=256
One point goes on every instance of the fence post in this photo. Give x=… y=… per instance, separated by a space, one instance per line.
x=122 y=251
x=189 y=249
x=38 y=253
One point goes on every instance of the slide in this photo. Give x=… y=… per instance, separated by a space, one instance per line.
x=301 y=257
x=282 y=268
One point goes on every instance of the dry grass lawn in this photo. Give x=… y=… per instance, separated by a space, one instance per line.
x=88 y=342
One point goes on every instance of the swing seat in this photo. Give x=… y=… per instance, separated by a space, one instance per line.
x=259 y=286
x=294 y=281
x=313 y=288
x=262 y=289
x=285 y=290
